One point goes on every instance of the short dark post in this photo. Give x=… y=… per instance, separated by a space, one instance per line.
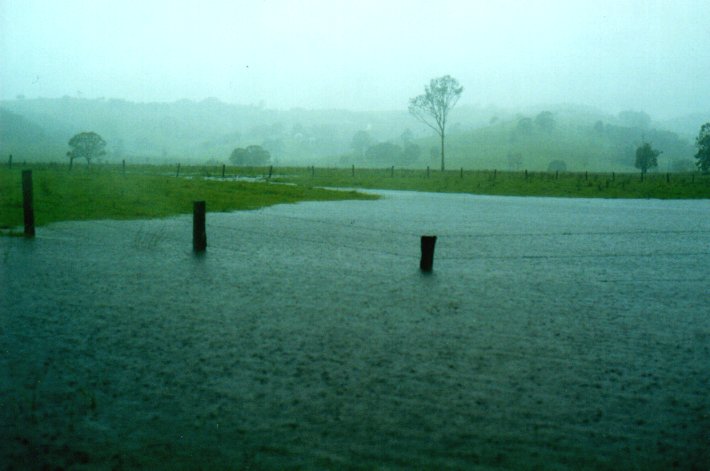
x=123 y=166
x=526 y=174
x=199 y=234
x=224 y=169
x=313 y=170
x=177 y=174
x=271 y=171
x=9 y=161
x=353 y=170
x=427 y=171
x=461 y=172
x=427 y=261
x=27 y=203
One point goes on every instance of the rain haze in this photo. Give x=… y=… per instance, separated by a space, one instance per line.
x=365 y=55
x=362 y=235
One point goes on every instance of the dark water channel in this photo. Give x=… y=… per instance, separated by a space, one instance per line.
x=553 y=333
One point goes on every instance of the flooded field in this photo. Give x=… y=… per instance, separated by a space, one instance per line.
x=553 y=333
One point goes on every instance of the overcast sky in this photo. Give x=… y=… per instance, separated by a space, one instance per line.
x=652 y=55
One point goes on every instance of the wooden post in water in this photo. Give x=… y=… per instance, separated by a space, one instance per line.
x=199 y=233
x=9 y=161
x=177 y=174
x=27 y=205
x=427 y=261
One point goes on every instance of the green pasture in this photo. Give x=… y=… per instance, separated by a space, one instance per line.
x=144 y=191
x=106 y=192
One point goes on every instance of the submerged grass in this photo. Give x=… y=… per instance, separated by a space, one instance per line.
x=104 y=192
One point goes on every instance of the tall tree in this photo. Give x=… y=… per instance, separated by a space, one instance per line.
x=703 y=144
x=646 y=157
x=86 y=145
x=433 y=107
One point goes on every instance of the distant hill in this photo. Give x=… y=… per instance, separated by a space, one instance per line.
x=579 y=138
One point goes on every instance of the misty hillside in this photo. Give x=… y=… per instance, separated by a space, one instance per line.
x=575 y=138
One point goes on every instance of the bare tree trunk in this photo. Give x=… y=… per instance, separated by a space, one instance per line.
x=442 y=150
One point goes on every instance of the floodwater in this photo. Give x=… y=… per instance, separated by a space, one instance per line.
x=552 y=333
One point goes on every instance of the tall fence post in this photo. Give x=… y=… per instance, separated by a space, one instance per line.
x=27 y=206
x=271 y=171
x=9 y=161
x=199 y=233
x=177 y=174
x=427 y=261
x=461 y=172
x=313 y=170
x=123 y=166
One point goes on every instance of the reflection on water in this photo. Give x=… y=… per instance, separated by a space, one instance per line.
x=553 y=332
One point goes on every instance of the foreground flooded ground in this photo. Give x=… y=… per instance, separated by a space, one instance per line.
x=553 y=333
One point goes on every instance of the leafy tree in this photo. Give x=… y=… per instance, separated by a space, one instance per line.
x=545 y=121
x=703 y=144
x=412 y=152
x=635 y=119
x=646 y=157
x=433 y=107
x=525 y=126
x=557 y=166
x=384 y=153
x=361 y=141
x=252 y=155
x=86 y=145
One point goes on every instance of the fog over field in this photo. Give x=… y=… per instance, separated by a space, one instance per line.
x=365 y=55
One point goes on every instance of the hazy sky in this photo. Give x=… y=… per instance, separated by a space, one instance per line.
x=615 y=54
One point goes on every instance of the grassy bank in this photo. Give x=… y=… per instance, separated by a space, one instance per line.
x=105 y=192
x=143 y=191
x=565 y=184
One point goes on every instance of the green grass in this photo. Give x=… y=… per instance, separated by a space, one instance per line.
x=104 y=192
x=567 y=184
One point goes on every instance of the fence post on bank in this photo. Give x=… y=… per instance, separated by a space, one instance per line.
x=177 y=174
x=123 y=166
x=353 y=170
x=9 y=161
x=27 y=206
x=271 y=171
x=461 y=172
x=427 y=261
x=224 y=169
x=199 y=234
x=427 y=171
